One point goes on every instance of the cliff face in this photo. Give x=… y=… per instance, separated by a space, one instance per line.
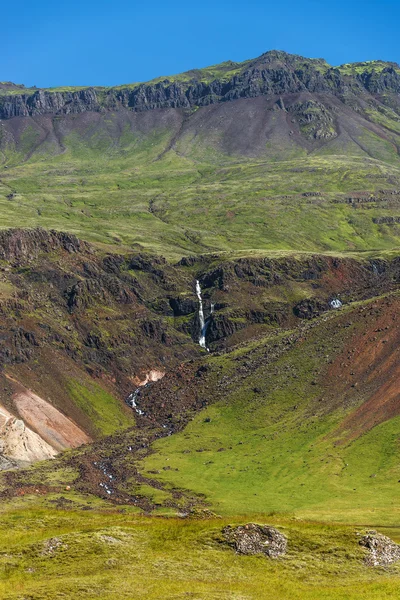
x=274 y=73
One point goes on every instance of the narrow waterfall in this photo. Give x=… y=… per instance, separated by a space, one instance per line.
x=131 y=401
x=202 y=338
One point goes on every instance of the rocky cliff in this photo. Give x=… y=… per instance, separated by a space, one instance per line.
x=272 y=74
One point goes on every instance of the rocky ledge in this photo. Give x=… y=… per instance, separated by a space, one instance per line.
x=272 y=74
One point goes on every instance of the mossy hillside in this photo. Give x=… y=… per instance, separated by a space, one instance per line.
x=105 y=413
x=175 y=208
x=369 y=66
x=220 y=72
x=265 y=452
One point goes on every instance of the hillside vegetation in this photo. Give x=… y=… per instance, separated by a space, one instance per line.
x=262 y=198
x=297 y=156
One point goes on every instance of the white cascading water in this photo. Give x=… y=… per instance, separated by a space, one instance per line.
x=202 y=338
x=131 y=401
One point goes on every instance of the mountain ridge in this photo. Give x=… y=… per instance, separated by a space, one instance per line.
x=272 y=73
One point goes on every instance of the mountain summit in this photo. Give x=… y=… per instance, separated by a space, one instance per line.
x=273 y=73
x=279 y=125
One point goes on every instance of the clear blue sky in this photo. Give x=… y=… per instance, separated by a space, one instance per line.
x=87 y=42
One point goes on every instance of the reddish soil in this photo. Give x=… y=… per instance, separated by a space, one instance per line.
x=52 y=426
x=368 y=369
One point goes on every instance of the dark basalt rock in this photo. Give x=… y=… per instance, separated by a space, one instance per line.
x=155 y=330
x=148 y=264
x=377 y=83
x=272 y=74
x=183 y=306
x=256 y=539
x=18 y=245
x=112 y=263
x=221 y=326
x=315 y=120
x=309 y=308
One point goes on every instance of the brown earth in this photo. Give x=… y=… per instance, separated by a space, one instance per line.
x=367 y=371
x=52 y=426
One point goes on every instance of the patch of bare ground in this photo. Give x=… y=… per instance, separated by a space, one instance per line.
x=367 y=371
x=52 y=426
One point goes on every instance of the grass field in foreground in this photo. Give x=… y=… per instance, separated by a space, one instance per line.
x=52 y=555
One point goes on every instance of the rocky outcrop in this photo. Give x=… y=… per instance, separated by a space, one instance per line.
x=378 y=82
x=24 y=245
x=315 y=120
x=183 y=306
x=309 y=308
x=272 y=74
x=240 y=290
x=44 y=102
x=222 y=326
x=382 y=551
x=256 y=539
x=386 y=220
x=19 y=444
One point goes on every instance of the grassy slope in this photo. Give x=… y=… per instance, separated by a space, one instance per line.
x=177 y=207
x=103 y=191
x=112 y=181
x=276 y=450
x=278 y=466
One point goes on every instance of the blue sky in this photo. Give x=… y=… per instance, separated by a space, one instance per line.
x=106 y=43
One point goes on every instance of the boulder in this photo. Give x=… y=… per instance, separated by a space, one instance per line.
x=256 y=539
x=382 y=551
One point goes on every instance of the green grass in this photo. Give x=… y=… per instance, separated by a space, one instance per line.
x=369 y=66
x=276 y=450
x=175 y=208
x=116 y=183
x=268 y=457
x=105 y=413
x=111 y=555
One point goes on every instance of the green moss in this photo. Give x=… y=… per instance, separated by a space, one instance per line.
x=106 y=413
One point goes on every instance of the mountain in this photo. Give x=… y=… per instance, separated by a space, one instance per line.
x=273 y=73
x=199 y=299
x=203 y=161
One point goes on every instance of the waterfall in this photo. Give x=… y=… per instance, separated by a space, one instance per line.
x=131 y=401
x=203 y=327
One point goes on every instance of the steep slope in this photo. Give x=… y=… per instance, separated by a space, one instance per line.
x=20 y=445
x=273 y=73
x=83 y=328
x=311 y=429
x=76 y=336
x=275 y=430
x=302 y=421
